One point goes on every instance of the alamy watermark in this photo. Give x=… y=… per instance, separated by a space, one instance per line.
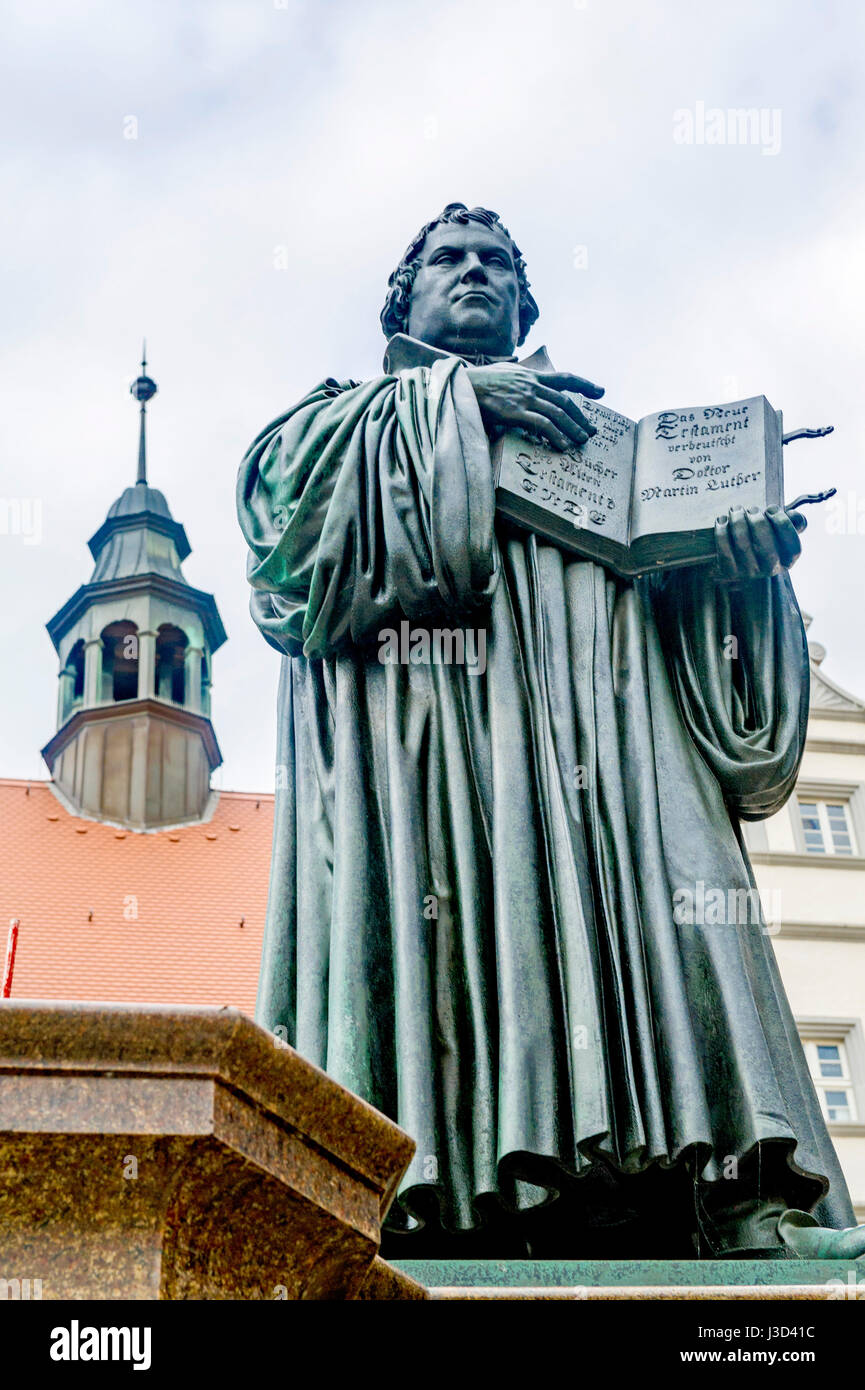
x=77 y=1343
x=845 y=514
x=699 y=906
x=434 y=646
x=731 y=125
x=852 y=1288
x=20 y=1289
x=22 y=516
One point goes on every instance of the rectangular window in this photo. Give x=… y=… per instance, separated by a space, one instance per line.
x=830 y=1070
x=838 y=1106
x=826 y=827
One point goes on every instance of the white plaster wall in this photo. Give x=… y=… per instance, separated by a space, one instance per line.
x=826 y=979
x=851 y=1155
x=815 y=894
x=823 y=979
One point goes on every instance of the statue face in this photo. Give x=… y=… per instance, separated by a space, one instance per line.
x=465 y=297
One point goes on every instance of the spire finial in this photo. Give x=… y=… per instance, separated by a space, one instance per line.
x=143 y=389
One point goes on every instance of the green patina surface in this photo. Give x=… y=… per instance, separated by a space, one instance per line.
x=592 y=1273
x=564 y=1038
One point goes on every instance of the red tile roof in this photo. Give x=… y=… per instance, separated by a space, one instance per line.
x=116 y=915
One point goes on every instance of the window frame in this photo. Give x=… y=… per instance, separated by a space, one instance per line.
x=852 y=796
x=847 y=1034
x=827 y=830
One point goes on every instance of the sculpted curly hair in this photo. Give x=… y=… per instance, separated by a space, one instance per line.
x=394 y=315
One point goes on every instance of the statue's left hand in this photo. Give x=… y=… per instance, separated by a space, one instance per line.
x=755 y=544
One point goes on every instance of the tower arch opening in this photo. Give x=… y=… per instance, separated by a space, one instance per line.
x=120 y=661
x=72 y=681
x=205 y=683
x=171 y=644
x=75 y=664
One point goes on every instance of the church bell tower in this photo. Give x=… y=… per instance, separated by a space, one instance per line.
x=134 y=741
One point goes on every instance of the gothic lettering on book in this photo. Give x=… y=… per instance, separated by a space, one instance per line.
x=639 y=494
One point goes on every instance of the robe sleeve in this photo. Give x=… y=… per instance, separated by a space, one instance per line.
x=364 y=504
x=738 y=661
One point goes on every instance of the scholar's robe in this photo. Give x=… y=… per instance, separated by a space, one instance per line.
x=472 y=919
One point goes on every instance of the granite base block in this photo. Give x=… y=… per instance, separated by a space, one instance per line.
x=165 y=1153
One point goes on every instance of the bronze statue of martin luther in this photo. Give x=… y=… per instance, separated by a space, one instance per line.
x=471 y=918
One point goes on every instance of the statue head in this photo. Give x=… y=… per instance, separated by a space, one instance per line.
x=462 y=286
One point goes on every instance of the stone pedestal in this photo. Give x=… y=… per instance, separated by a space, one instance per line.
x=172 y=1153
x=639 y=1280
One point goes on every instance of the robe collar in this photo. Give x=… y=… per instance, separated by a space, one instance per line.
x=403 y=352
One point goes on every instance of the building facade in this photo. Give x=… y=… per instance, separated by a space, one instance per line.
x=809 y=862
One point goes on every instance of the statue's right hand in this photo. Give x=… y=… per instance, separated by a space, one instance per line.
x=535 y=401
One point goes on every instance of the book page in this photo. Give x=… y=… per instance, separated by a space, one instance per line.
x=589 y=487
x=694 y=464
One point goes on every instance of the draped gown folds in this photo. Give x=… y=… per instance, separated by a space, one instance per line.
x=472 y=919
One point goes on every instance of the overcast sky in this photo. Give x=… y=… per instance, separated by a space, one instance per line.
x=318 y=138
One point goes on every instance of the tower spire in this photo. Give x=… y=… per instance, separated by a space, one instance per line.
x=134 y=742
x=143 y=389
